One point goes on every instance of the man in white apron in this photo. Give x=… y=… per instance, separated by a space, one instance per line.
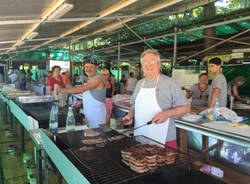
x=157 y=98
x=93 y=95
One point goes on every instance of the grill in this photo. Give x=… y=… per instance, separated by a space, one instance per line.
x=104 y=165
x=106 y=171
x=40 y=112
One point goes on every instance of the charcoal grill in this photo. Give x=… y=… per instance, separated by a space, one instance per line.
x=104 y=165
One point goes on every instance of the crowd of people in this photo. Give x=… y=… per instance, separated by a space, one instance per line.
x=21 y=78
x=156 y=98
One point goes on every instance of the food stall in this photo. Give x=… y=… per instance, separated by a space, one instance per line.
x=64 y=32
x=61 y=149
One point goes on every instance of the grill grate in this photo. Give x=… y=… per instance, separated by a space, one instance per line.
x=105 y=166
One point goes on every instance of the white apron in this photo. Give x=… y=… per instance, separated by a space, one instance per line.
x=94 y=110
x=146 y=107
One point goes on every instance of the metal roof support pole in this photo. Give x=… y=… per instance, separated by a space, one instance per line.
x=16 y=22
x=180 y=32
x=10 y=62
x=119 y=65
x=71 y=64
x=215 y=45
x=175 y=44
x=143 y=40
x=215 y=38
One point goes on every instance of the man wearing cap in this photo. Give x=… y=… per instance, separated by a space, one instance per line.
x=218 y=87
x=93 y=95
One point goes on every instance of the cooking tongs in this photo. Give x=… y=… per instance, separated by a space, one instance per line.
x=148 y=123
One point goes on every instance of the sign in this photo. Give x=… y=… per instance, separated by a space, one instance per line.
x=65 y=65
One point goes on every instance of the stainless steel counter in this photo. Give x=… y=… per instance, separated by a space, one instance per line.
x=211 y=132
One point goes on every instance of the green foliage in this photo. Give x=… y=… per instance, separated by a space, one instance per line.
x=227 y=6
x=166 y=68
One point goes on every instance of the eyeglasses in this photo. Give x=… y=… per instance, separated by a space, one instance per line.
x=149 y=63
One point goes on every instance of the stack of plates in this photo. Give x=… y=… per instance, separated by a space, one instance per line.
x=191 y=117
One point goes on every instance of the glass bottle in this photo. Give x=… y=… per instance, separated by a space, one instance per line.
x=70 y=121
x=217 y=109
x=53 y=119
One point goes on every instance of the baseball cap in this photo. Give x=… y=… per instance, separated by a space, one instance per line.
x=91 y=61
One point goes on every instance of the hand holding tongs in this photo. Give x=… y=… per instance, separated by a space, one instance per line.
x=148 y=123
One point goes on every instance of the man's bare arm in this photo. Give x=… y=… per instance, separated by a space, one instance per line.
x=49 y=90
x=188 y=93
x=80 y=89
x=235 y=93
x=128 y=119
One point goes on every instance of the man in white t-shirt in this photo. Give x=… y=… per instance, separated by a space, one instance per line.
x=12 y=77
x=130 y=84
x=218 y=87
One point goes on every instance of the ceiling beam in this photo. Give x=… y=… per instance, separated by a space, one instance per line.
x=33 y=40
x=119 y=24
x=108 y=11
x=217 y=44
x=63 y=20
x=216 y=38
x=180 y=32
x=245 y=13
x=45 y=14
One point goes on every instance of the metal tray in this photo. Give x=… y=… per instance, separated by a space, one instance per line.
x=35 y=99
x=18 y=93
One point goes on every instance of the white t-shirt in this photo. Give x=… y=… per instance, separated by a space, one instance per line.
x=13 y=78
x=220 y=82
x=131 y=84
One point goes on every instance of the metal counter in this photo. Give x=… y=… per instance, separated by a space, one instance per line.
x=211 y=132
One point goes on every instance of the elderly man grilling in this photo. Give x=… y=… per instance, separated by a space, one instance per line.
x=156 y=98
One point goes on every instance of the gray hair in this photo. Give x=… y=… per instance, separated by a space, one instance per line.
x=151 y=51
